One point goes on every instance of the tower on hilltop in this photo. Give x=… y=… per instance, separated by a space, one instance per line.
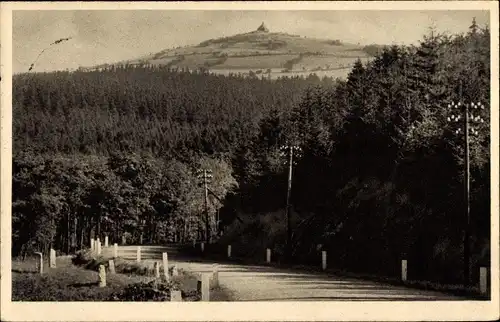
x=263 y=28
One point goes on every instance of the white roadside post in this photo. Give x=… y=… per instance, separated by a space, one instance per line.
x=202 y=245
x=204 y=287
x=175 y=271
x=92 y=244
x=268 y=255
x=323 y=259
x=40 y=263
x=138 y=254
x=102 y=276
x=157 y=270
x=115 y=250
x=483 y=280
x=229 y=251
x=165 y=266
x=52 y=258
x=98 y=247
x=215 y=275
x=175 y=296
x=404 y=270
x=106 y=241
x=111 y=266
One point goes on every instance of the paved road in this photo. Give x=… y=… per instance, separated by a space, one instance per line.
x=262 y=283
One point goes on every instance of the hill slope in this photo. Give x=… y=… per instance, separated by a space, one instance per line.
x=273 y=54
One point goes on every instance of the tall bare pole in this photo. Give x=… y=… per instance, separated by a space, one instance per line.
x=467 y=199
x=290 y=151
x=466 y=242
x=207 y=224
x=287 y=209
x=205 y=175
x=464 y=112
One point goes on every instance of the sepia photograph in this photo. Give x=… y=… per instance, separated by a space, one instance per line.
x=341 y=156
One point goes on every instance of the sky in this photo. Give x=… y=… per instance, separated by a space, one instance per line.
x=100 y=36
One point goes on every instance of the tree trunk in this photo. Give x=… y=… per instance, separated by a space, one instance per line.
x=74 y=234
x=24 y=251
x=150 y=228
x=68 y=233
x=115 y=231
x=153 y=232
x=79 y=229
x=98 y=225
x=89 y=227
x=184 y=233
x=58 y=241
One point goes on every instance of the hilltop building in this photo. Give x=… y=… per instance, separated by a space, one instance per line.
x=262 y=28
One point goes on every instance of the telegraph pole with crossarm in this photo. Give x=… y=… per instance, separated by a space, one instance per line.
x=466 y=115
x=206 y=175
x=290 y=151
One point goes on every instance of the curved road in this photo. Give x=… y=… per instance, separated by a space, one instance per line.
x=263 y=283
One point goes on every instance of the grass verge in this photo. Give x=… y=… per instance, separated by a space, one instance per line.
x=220 y=294
x=90 y=260
x=70 y=282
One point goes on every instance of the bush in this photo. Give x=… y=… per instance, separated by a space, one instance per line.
x=252 y=237
x=336 y=42
x=152 y=291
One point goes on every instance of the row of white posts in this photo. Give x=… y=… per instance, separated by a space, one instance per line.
x=268 y=255
x=205 y=279
x=52 y=260
x=483 y=271
x=483 y=276
x=175 y=295
x=175 y=271
x=95 y=245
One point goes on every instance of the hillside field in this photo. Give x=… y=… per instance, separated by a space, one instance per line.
x=258 y=51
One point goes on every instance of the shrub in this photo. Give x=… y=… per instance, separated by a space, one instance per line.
x=251 y=237
x=152 y=291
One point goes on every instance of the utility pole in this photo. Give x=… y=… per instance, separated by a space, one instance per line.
x=469 y=119
x=218 y=210
x=206 y=175
x=289 y=151
x=288 y=193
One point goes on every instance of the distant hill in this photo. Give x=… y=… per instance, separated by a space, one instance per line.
x=262 y=52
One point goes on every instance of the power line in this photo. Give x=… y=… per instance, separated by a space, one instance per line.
x=58 y=41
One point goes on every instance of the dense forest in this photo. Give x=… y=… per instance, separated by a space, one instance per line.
x=115 y=152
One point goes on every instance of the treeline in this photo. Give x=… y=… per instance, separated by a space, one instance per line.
x=380 y=176
x=62 y=201
x=72 y=129
x=146 y=108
